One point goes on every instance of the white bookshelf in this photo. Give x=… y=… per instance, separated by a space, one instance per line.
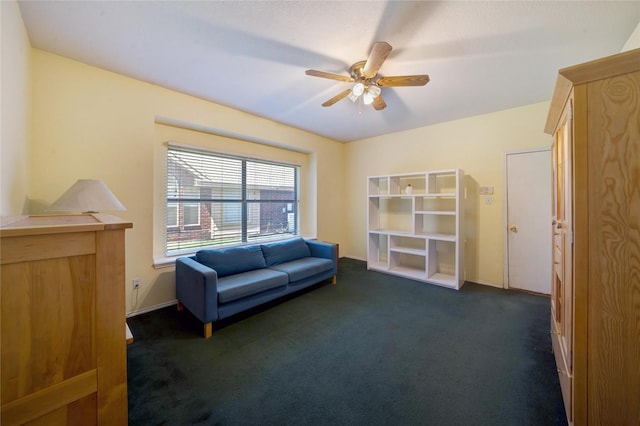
x=418 y=235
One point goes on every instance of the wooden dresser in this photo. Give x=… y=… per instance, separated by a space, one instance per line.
x=594 y=118
x=63 y=355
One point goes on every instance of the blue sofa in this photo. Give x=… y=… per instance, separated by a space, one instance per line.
x=217 y=283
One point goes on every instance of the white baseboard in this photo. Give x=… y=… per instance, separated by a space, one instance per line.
x=485 y=283
x=151 y=308
x=364 y=259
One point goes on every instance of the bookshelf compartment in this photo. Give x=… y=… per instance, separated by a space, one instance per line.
x=418 y=184
x=378 y=251
x=436 y=204
x=442 y=182
x=408 y=265
x=394 y=214
x=406 y=244
x=373 y=211
x=442 y=262
x=379 y=185
x=437 y=225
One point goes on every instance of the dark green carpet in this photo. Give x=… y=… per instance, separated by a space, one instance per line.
x=373 y=349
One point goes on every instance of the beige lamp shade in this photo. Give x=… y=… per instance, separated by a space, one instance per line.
x=89 y=196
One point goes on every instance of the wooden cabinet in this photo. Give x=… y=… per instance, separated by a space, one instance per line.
x=63 y=354
x=417 y=232
x=594 y=118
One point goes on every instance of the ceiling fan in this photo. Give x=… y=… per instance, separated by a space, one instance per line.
x=364 y=74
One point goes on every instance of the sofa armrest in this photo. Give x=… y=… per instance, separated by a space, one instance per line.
x=324 y=250
x=197 y=288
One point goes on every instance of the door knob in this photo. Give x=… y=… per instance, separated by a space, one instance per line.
x=513 y=228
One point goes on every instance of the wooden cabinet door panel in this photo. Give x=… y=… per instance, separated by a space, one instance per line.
x=52 y=322
x=48 y=321
x=614 y=250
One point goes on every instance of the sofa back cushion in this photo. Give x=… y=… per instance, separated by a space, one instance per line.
x=232 y=260
x=285 y=251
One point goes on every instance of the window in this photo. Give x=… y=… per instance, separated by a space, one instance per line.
x=172 y=208
x=191 y=214
x=172 y=214
x=214 y=200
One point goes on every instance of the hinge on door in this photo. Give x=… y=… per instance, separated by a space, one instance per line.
x=571 y=236
x=571 y=111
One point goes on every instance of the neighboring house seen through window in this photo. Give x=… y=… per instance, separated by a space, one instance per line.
x=216 y=200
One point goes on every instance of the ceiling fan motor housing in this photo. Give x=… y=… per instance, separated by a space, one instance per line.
x=357 y=70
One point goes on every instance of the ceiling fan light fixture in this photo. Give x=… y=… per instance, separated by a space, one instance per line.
x=367 y=98
x=358 y=89
x=370 y=94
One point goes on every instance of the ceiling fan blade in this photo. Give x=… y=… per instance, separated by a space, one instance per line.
x=403 y=80
x=379 y=103
x=323 y=74
x=377 y=56
x=336 y=98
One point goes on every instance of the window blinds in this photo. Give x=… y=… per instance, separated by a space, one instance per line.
x=215 y=199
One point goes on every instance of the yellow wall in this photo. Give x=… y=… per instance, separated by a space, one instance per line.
x=475 y=145
x=16 y=91
x=90 y=123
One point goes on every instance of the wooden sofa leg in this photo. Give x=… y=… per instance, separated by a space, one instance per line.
x=333 y=280
x=180 y=306
x=207 y=330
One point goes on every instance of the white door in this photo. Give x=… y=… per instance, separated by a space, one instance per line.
x=528 y=216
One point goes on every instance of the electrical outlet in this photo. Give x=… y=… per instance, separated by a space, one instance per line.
x=137 y=282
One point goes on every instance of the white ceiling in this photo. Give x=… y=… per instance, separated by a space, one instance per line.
x=251 y=55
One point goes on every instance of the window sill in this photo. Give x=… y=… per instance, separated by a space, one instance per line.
x=161 y=262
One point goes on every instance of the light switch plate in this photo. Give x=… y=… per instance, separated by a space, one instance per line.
x=486 y=190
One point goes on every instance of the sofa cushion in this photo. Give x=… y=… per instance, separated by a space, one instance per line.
x=285 y=251
x=303 y=268
x=232 y=260
x=234 y=287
